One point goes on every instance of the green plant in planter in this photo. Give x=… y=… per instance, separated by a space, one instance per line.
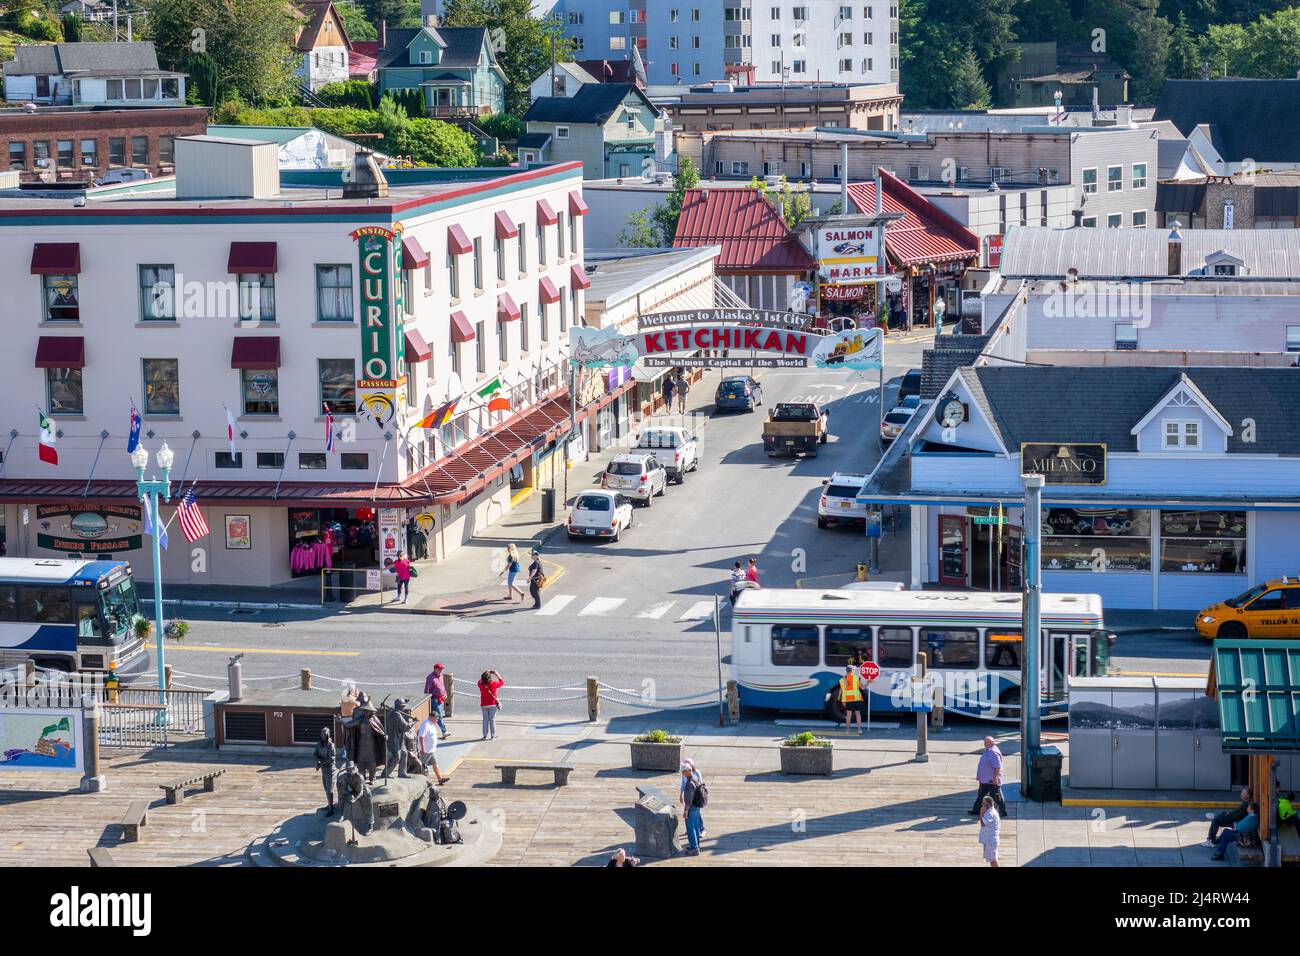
x=805 y=739
x=177 y=630
x=657 y=737
x=143 y=627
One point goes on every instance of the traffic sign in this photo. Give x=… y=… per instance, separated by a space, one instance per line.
x=989 y=519
x=869 y=670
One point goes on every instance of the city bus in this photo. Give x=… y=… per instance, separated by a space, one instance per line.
x=789 y=647
x=69 y=615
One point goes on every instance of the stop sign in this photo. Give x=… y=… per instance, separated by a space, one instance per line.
x=869 y=670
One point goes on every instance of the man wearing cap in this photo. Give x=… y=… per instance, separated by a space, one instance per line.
x=437 y=691
x=851 y=696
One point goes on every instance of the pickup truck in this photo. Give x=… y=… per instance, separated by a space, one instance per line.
x=795 y=428
x=675 y=448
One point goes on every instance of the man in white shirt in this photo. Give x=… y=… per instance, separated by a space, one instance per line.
x=427 y=738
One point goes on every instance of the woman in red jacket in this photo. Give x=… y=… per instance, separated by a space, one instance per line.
x=488 y=685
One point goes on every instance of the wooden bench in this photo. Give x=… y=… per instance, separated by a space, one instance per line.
x=176 y=790
x=136 y=816
x=509 y=770
x=99 y=856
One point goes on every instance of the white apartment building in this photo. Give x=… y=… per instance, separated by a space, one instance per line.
x=387 y=308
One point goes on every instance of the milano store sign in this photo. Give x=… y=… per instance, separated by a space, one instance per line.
x=1065 y=464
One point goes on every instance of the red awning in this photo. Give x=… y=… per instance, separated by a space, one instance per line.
x=579 y=278
x=56 y=259
x=457 y=242
x=507 y=311
x=546 y=289
x=577 y=205
x=255 y=352
x=413 y=254
x=417 y=350
x=61 y=351
x=461 y=329
x=545 y=214
x=248 y=258
x=506 y=229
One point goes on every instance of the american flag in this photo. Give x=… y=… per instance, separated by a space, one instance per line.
x=329 y=429
x=191 y=518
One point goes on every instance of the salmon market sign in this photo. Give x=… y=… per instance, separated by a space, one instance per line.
x=762 y=347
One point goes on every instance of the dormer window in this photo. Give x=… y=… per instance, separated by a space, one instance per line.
x=1225 y=269
x=426 y=56
x=1182 y=435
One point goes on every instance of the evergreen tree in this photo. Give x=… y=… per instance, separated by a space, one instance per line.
x=1184 y=52
x=970 y=91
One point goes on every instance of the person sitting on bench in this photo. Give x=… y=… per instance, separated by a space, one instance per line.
x=1226 y=818
x=1246 y=827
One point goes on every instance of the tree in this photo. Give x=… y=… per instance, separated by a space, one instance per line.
x=354 y=93
x=72 y=24
x=1184 y=52
x=641 y=231
x=396 y=13
x=431 y=142
x=1223 y=50
x=1273 y=45
x=667 y=213
x=528 y=45
x=970 y=91
x=935 y=35
x=356 y=21
x=249 y=41
x=205 y=79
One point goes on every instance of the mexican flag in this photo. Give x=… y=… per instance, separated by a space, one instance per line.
x=46 y=449
x=492 y=386
x=492 y=392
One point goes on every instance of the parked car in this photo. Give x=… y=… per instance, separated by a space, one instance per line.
x=911 y=403
x=839 y=500
x=738 y=392
x=893 y=424
x=638 y=475
x=794 y=428
x=910 y=385
x=675 y=448
x=599 y=514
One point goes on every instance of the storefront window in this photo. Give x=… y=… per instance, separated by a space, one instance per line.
x=1096 y=539
x=1212 y=542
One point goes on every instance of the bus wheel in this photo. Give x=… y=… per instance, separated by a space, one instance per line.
x=1009 y=703
x=834 y=709
x=61 y=664
x=1232 y=630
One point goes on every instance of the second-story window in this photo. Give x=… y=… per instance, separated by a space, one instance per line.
x=162 y=389
x=261 y=389
x=478 y=263
x=500 y=250
x=334 y=293
x=158 y=293
x=541 y=244
x=523 y=249
x=61 y=299
x=257 y=297
x=559 y=234
x=453 y=276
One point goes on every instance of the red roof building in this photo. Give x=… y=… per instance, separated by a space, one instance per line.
x=761 y=256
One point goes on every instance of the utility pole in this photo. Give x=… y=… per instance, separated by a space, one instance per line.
x=1031 y=628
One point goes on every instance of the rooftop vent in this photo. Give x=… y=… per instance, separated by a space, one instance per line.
x=365 y=180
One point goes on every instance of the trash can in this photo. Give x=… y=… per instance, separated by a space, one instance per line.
x=548 y=505
x=344 y=580
x=1045 y=774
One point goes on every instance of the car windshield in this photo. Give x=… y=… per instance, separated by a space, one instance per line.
x=841 y=491
x=592 y=503
x=1242 y=599
x=623 y=468
x=898 y=418
x=658 y=440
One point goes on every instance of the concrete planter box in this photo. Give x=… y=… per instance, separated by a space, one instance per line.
x=663 y=757
x=807 y=760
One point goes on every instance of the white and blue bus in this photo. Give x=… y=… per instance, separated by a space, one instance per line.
x=789 y=647
x=69 y=615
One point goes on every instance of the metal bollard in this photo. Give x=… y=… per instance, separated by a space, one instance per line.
x=234 y=675
x=922 y=739
x=733 y=702
x=593 y=699
x=92 y=780
x=304 y=678
x=449 y=682
x=167 y=676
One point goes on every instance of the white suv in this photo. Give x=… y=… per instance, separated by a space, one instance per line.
x=839 y=500
x=637 y=476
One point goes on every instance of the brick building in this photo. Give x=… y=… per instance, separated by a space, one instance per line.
x=76 y=144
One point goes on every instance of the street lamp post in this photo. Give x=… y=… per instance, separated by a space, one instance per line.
x=150 y=490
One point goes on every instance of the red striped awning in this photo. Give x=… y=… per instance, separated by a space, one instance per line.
x=577 y=205
x=255 y=352
x=506 y=228
x=457 y=242
x=61 y=351
x=413 y=254
x=56 y=259
x=507 y=310
x=546 y=289
x=417 y=350
x=579 y=278
x=461 y=329
x=545 y=214
x=252 y=258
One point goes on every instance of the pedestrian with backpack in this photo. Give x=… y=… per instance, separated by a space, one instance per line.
x=695 y=797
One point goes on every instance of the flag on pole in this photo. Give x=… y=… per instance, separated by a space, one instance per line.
x=329 y=429
x=439 y=416
x=498 y=403
x=47 y=452
x=230 y=430
x=149 y=523
x=191 y=517
x=490 y=387
x=133 y=440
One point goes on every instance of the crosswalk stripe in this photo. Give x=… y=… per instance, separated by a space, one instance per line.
x=600 y=606
x=457 y=626
x=697 y=611
x=555 y=604
x=656 y=611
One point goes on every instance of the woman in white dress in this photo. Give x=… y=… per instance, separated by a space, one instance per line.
x=990 y=831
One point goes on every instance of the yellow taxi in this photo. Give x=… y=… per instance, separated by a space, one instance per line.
x=1271 y=609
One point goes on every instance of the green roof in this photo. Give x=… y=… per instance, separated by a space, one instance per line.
x=266 y=134
x=1258 y=685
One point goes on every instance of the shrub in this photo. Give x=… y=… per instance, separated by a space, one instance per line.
x=143 y=627
x=657 y=737
x=805 y=739
x=503 y=126
x=352 y=93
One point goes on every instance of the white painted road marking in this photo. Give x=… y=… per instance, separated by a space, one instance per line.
x=556 y=604
x=457 y=626
x=698 y=611
x=600 y=607
x=656 y=611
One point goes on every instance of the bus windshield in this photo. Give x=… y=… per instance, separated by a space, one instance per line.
x=121 y=606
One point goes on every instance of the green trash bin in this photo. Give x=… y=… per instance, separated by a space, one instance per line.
x=1045 y=774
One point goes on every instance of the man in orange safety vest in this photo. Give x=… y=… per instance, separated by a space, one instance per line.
x=851 y=696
